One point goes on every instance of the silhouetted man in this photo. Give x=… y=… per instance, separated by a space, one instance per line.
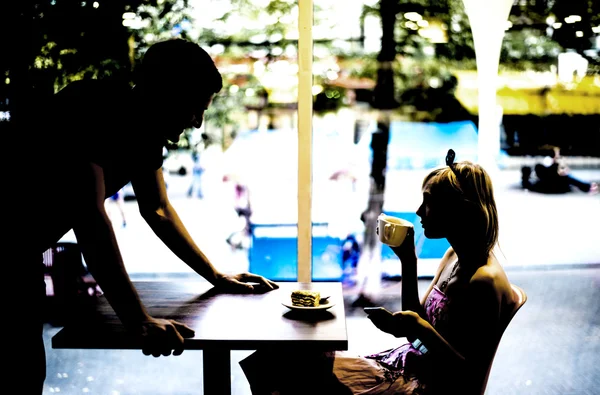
x=85 y=145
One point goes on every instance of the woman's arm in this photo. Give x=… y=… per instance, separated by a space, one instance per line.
x=475 y=328
x=437 y=345
x=410 y=286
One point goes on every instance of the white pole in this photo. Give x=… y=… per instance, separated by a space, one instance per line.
x=488 y=24
x=305 y=82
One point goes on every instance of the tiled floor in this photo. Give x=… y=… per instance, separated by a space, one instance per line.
x=551 y=347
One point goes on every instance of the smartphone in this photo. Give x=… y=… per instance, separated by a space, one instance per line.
x=370 y=310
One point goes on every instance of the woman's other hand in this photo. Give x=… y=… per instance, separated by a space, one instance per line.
x=245 y=283
x=399 y=324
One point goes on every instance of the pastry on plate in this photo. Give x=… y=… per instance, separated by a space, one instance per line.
x=305 y=298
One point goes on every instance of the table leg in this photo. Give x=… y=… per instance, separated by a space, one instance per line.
x=217 y=371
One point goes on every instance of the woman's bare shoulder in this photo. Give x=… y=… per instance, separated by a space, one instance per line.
x=492 y=276
x=491 y=271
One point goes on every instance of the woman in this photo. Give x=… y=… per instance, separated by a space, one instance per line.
x=452 y=332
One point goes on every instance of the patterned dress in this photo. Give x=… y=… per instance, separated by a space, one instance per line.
x=400 y=370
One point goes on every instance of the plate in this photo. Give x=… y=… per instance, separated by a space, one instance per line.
x=323 y=306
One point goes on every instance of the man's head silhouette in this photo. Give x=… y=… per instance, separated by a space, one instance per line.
x=177 y=80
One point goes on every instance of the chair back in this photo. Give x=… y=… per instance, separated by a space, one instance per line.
x=520 y=299
x=63 y=269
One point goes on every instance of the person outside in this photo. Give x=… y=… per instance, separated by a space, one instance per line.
x=554 y=176
x=240 y=237
x=198 y=168
x=196 y=183
x=97 y=136
x=450 y=335
x=118 y=200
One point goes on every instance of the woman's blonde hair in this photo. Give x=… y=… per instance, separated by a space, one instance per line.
x=471 y=186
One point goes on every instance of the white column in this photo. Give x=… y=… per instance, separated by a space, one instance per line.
x=305 y=82
x=488 y=23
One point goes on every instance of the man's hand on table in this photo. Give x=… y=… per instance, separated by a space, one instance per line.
x=244 y=283
x=162 y=336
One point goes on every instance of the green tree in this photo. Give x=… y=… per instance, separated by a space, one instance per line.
x=47 y=44
x=159 y=20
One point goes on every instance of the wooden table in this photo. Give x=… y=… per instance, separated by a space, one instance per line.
x=222 y=322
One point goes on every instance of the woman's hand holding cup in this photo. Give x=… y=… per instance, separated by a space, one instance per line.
x=399 y=234
x=406 y=252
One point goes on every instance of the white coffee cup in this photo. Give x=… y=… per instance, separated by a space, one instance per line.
x=392 y=230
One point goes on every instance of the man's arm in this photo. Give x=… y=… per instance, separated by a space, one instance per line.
x=96 y=238
x=151 y=194
x=98 y=243
x=161 y=216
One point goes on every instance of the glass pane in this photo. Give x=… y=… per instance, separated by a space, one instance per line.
x=549 y=51
x=393 y=88
x=240 y=168
x=340 y=166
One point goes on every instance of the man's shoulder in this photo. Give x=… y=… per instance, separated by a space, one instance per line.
x=94 y=88
x=82 y=100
